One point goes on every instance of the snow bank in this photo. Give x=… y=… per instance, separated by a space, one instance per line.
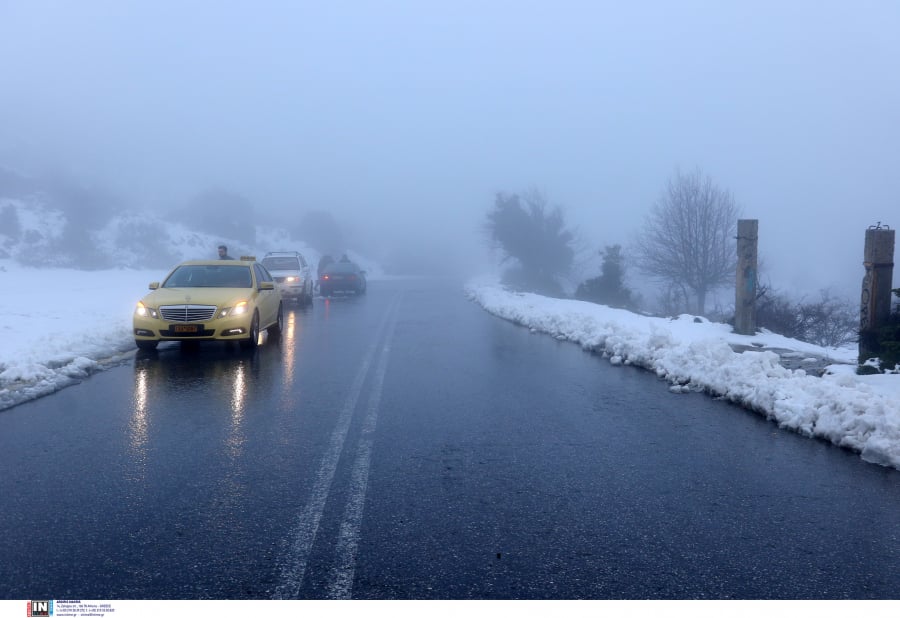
x=857 y=412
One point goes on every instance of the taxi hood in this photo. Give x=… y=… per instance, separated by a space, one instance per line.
x=220 y=297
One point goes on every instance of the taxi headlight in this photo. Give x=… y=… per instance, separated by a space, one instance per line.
x=144 y=311
x=238 y=309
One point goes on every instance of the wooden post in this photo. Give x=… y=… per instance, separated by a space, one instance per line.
x=875 y=304
x=745 y=283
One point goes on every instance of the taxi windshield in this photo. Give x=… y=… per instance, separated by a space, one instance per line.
x=193 y=276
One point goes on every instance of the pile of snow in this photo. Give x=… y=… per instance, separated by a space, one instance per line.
x=60 y=325
x=861 y=413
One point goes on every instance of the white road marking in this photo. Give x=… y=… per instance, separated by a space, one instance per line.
x=340 y=580
x=304 y=534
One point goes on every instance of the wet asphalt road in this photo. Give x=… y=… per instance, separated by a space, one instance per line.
x=406 y=444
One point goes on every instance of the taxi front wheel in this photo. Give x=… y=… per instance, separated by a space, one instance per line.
x=276 y=328
x=253 y=339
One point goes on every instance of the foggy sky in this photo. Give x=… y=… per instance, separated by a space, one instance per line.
x=405 y=118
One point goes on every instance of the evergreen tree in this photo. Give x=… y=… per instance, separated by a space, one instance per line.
x=529 y=231
x=609 y=288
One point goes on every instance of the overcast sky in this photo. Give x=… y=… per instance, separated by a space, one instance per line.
x=407 y=117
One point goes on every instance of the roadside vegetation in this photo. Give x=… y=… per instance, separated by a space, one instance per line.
x=535 y=242
x=687 y=242
x=828 y=321
x=686 y=247
x=884 y=343
x=609 y=287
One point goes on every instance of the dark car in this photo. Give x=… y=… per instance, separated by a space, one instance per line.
x=324 y=262
x=342 y=277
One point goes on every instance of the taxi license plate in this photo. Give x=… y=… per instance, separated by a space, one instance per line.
x=185 y=328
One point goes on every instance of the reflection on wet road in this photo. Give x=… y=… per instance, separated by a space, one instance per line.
x=406 y=444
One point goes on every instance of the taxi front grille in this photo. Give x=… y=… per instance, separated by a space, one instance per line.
x=187 y=313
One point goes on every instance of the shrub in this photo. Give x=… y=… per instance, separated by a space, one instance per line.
x=883 y=342
x=609 y=288
x=829 y=321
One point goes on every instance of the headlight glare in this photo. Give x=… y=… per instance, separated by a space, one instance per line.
x=144 y=311
x=238 y=309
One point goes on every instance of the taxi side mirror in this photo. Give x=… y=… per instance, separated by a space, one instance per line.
x=154 y=285
x=266 y=285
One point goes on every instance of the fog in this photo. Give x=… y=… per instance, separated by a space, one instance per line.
x=404 y=119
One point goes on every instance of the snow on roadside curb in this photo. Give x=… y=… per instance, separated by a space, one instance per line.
x=694 y=354
x=63 y=325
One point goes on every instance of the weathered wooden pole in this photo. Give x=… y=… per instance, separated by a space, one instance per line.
x=745 y=283
x=875 y=304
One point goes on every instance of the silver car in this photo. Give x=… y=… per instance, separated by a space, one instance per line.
x=292 y=275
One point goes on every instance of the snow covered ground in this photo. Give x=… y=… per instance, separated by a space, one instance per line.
x=59 y=326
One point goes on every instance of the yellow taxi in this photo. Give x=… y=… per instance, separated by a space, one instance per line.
x=210 y=300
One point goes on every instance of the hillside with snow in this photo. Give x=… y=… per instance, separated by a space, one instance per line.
x=37 y=232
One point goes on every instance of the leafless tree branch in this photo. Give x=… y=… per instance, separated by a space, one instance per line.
x=688 y=238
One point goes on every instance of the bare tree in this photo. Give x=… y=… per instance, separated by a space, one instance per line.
x=688 y=238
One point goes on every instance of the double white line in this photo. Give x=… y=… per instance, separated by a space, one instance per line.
x=340 y=579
